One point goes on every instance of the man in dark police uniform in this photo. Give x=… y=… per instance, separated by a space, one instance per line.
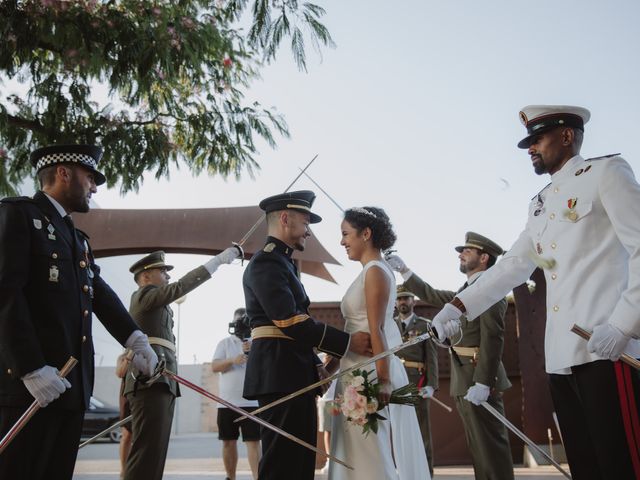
x=284 y=335
x=49 y=287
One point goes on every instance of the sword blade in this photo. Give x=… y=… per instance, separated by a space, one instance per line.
x=523 y=437
x=625 y=357
x=323 y=191
x=342 y=372
x=251 y=416
x=246 y=236
x=31 y=411
x=118 y=424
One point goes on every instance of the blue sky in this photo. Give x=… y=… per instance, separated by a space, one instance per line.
x=415 y=111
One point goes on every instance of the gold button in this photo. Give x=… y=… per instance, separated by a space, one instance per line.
x=86 y=313
x=556 y=308
x=83 y=264
x=54 y=255
x=85 y=288
x=553 y=276
x=556 y=190
x=84 y=338
x=552 y=216
x=553 y=245
x=9 y=371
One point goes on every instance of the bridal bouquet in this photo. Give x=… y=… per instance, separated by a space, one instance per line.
x=359 y=400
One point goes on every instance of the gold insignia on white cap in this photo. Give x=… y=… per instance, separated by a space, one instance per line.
x=523 y=117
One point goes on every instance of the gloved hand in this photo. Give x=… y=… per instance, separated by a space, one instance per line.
x=447 y=321
x=226 y=256
x=426 y=391
x=608 y=341
x=45 y=384
x=477 y=393
x=145 y=359
x=396 y=263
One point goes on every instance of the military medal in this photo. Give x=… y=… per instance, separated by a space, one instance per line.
x=53 y=274
x=539 y=248
x=51 y=230
x=572 y=214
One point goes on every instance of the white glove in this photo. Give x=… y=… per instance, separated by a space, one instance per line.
x=145 y=359
x=477 y=393
x=427 y=391
x=608 y=341
x=45 y=384
x=447 y=321
x=226 y=256
x=396 y=263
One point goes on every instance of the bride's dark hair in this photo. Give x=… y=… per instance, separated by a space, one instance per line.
x=382 y=234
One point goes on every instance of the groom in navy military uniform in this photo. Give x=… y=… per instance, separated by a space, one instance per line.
x=284 y=335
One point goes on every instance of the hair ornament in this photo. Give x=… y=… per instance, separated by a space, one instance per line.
x=364 y=211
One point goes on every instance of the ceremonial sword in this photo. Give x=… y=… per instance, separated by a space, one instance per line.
x=119 y=423
x=523 y=437
x=246 y=236
x=625 y=357
x=33 y=408
x=250 y=416
x=330 y=378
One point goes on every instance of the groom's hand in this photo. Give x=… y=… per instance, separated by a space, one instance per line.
x=360 y=343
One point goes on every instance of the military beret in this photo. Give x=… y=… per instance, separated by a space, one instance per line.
x=401 y=291
x=541 y=118
x=86 y=155
x=153 y=260
x=475 y=240
x=301 y=201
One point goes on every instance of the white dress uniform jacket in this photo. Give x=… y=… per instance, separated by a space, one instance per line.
x=584 y=228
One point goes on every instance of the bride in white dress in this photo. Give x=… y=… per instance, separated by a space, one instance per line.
x=368 y=306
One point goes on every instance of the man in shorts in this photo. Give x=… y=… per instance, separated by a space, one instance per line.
x=230 y=360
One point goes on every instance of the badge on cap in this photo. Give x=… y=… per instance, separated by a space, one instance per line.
x=37 y=223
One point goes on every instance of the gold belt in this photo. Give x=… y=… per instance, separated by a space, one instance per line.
x=163 y=342
x=268 y=331
x=410 y=364
x=467 y=351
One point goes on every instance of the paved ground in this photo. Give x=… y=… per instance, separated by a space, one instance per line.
x=197 y=457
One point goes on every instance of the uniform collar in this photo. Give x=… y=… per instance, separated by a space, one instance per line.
x=567 y=168
x=279 y=246
x=474 y=277
x=56 y=204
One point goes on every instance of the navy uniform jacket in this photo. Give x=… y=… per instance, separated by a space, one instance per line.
x=49 y=288
x=274 y=296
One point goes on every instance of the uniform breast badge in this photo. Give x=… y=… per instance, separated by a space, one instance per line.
x=54 y=274
x=571 y=214
x=539 y=206
x=37 y=223
x=539 y=248
x=51 y=231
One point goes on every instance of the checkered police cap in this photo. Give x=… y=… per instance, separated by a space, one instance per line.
x=86 y=155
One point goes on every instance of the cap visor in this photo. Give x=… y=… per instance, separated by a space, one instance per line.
x=313 y=218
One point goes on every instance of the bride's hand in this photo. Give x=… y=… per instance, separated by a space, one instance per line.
x=384 y=393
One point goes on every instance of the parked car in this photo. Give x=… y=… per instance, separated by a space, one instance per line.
x=99 y=417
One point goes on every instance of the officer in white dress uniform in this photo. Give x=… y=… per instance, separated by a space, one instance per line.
x=584 y=231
